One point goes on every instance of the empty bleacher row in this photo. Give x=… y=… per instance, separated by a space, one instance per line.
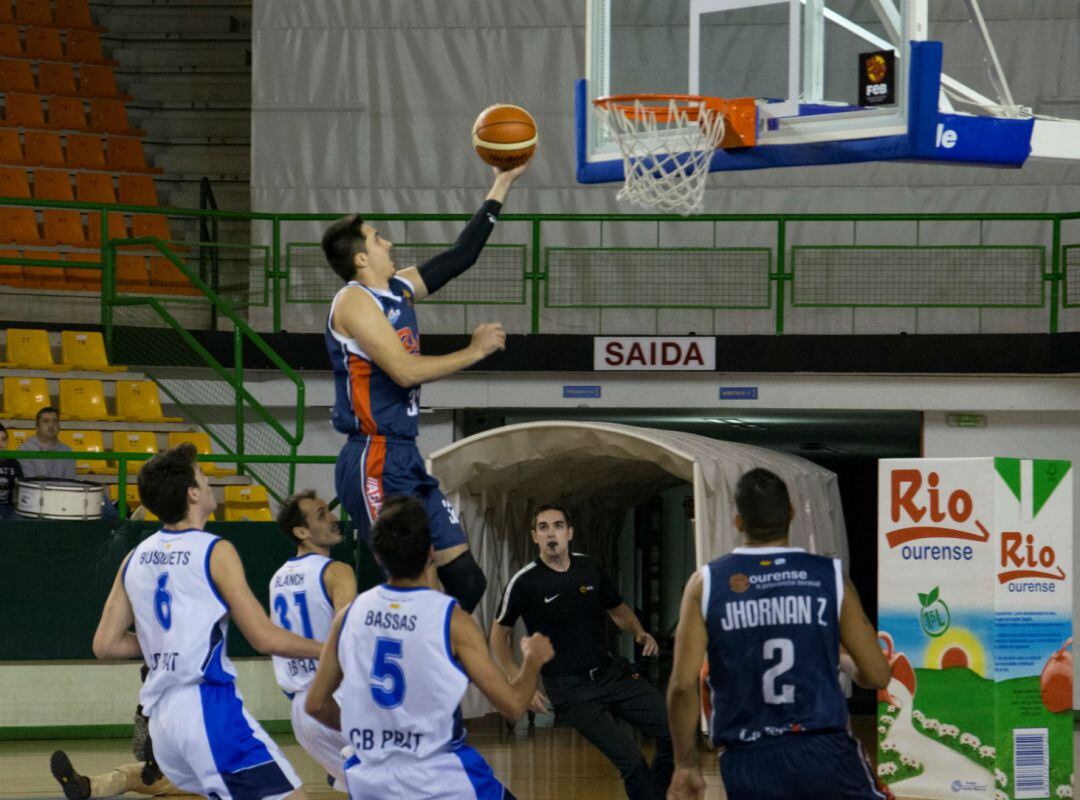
x=65 y=137
x=32 y=378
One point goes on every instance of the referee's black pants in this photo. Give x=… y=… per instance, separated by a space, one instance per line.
x=594 y=705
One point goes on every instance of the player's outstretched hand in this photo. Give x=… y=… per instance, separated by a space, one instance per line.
x=648 y=644
x=686 y=784
x=489 y=337
x=511 y=174
x=539 y=703
x=538 y=648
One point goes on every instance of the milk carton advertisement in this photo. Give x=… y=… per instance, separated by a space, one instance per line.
x=975 y=618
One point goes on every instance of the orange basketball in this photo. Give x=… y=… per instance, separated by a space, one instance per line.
x=504 y=135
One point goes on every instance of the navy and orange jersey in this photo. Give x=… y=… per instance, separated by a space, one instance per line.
x=773 y=621
x=367 y=402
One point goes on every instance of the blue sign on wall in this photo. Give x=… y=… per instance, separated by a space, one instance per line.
x=581 y=392
x=738 y=393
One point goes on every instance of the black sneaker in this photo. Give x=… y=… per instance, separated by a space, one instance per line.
x=76 y=786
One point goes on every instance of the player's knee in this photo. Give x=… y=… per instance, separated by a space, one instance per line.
x=463 y=580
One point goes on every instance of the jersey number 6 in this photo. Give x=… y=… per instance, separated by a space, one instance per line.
x=385 y=668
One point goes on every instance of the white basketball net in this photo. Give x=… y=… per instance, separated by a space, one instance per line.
x=665 y=160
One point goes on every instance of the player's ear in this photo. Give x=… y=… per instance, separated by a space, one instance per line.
x=740 y=526
x=360 y=260
x=570 y=533
x=301 y=533
x=791 y=512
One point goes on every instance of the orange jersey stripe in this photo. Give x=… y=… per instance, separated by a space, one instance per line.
x=360 y=391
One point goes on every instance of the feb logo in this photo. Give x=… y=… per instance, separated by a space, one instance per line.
x=738 y=583
x=1022 y=558
x=934 y=617
x=408 y=338
x=930 y=510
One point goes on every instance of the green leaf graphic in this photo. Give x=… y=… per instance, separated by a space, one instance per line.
x=923 y=601
x=933 y=596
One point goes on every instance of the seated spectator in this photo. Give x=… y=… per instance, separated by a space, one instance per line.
x=10 y=471
x=46 y=439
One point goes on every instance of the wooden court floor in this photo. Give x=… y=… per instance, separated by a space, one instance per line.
x=539 y=764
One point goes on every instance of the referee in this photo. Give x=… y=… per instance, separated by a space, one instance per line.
x=563 y=596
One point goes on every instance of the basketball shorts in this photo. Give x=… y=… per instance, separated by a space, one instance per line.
x=206 y=743
x=813 y=766
x=370 y=470
x=443 y=776
x=320 y=742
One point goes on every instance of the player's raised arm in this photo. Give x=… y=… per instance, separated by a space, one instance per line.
x=340 y=583
x=857 y=635
x=320 y=702
x=113 y=637
x=440 y=269
x=510 y=697
x=228 y=574
x=362 y=319
x=683 y=703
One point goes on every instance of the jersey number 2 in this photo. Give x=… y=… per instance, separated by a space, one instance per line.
x=385 y=668
x=785 y=693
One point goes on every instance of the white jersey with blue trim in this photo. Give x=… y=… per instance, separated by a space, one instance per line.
x=180 y=618
x=402 y=686
x=300 y=603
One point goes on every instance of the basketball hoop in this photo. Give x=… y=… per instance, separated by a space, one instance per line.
x=667 y=142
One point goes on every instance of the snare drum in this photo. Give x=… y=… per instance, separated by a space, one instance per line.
x=59 y=499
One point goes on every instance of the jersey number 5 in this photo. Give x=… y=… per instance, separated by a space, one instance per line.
x=785 y=693
x=386 y=669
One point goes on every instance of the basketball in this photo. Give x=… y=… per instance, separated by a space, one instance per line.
x=504 y=135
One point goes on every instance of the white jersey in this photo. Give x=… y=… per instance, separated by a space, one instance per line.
x=402 y=685
x=300 y=603
x=180 y=618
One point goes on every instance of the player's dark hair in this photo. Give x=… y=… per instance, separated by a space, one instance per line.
x=46 y=410
x=762 y=500
x=341 y=242
x=549 y=507
x=164 y=482
x=292 y=515
x=401 y=537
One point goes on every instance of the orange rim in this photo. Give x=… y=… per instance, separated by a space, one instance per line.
x=658 y=106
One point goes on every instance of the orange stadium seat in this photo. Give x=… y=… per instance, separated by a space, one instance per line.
x=99 y=81
x=85 y=150
x=24 y=110
x=126 y=153
x=73 y=13
x=17 y=76
x=10 y=147
x=203 y=447
x=131 y=274
x=64 y=227
x=33 y=11
x=116 y=223
x=43 y=43
x=84 y=399
x=135 y=190
x=43 y=148
x=135 y=442
x=94 y=187
x=19 y=225
x=14 y=182
x=56 y=79
x=52 y=185
x=247 y=503
x=23 y=397
x=10 y=42
x=5 y=12
x=108 y=116
x=166 y=278
x=82 y=279
x=28 y=348
x=85 y=350
x=138 y=401
x=10 y=274
x=88 y=442
x=150 y=225
x=67 y=113
x=51 y=278
x=85 y=46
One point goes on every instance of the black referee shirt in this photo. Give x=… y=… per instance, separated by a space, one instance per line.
x=567 y=607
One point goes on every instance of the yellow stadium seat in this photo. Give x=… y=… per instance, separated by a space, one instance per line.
x=85 y=350
x=135 y=442
x=29 y=349
x=88 y=442
x=202 y=447
x=84 y=400
x=16 y=436
x=24 y=397
x=131 y=495
x=138 y=401
x=247 y=503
